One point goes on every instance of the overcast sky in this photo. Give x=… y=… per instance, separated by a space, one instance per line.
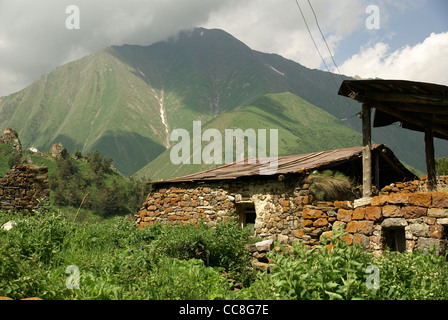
x=411 y=41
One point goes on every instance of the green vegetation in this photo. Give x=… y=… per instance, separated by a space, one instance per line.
x=94 y=185
x=442 y=166
x=329 y=185
x=118 y=261
x=338 y=272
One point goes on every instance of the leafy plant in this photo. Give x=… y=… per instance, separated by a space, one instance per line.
x=442 y=166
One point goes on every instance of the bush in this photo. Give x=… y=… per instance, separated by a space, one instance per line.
x=223 y=246
x=442 y=166
x=341 y=273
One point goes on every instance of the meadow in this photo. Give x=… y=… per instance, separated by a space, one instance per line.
x=50 y=256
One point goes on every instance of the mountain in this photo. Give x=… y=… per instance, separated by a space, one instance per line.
x=124 y=101
x=302 y=128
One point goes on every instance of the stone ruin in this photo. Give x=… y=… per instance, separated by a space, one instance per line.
x=23 y=188
x=10 y=136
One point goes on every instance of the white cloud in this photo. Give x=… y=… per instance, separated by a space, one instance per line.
x=34 y=38
x=426 y=61
x=278 y=26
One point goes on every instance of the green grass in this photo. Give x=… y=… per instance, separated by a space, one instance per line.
x=117 y=261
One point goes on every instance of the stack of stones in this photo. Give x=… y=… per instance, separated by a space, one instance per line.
x=414 y=186
x=23 y=187
x=193 y=205
x=259 y=251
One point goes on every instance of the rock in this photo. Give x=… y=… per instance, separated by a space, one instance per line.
x=394 y=223
x=9 y=225
x=264 y=246
x=321 y=222
x=443 y=221
x=365 y=227
x=440 y=199
x=420 y=199
x=345 y=215
x=373 y=213
x=420 y=229
x=282 y=238
x=366 y=201
x=392 y=211
x=412 y=212
x=313 y=214
x=438 y=213
x=426 y=243
x=58 y=151
x=436 y=231
x=359 y=213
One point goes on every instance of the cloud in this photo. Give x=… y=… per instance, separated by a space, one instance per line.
x=426 y=61
x=278 y=26
x=34 y=38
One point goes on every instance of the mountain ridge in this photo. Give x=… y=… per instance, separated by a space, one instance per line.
x=125 y=100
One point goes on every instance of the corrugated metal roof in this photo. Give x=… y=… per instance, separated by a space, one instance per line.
x=286 y=164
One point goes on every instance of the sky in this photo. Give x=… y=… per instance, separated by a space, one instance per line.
x=399 y=39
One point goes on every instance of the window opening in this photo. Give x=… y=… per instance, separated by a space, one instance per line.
x=394 y=239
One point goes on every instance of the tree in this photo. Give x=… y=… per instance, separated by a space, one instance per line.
x=442 y=166
x=15 y=159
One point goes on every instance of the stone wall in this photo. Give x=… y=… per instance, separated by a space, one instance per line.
x=278 y=206
x=286 y=212
x=22 y=187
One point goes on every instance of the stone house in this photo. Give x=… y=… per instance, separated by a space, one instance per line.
x=282 y=206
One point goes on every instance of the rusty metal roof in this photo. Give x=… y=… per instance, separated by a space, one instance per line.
x=287 y=164
x=417 y=105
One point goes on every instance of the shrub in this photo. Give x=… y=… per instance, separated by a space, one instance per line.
x=442 y=166
x=223 y=246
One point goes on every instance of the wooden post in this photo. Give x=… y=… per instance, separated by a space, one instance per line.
x=377 y=171
x=366 y=151
x=430 y=159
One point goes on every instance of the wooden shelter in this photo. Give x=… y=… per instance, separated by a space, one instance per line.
x=417 y=106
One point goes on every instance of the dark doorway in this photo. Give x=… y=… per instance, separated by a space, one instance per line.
x=247 y=215
x=394 y=239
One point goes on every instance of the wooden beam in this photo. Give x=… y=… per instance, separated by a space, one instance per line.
x=422 y=108
x=366 y=151
x=411 y=98
x=377 y=170
x=430 y=159
x=412 y=119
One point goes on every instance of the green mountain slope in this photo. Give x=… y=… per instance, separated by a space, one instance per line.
x=302 y=128
x=92 y=103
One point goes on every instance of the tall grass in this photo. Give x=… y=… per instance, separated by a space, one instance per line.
x=116 y=260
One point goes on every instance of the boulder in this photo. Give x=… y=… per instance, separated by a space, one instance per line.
x=264 y=246
x=58 y=151
x=394 y=223
x=9 y=225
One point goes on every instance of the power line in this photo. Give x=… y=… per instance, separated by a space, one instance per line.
x=317 y=48
x=318 y=26
x=331 y=54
